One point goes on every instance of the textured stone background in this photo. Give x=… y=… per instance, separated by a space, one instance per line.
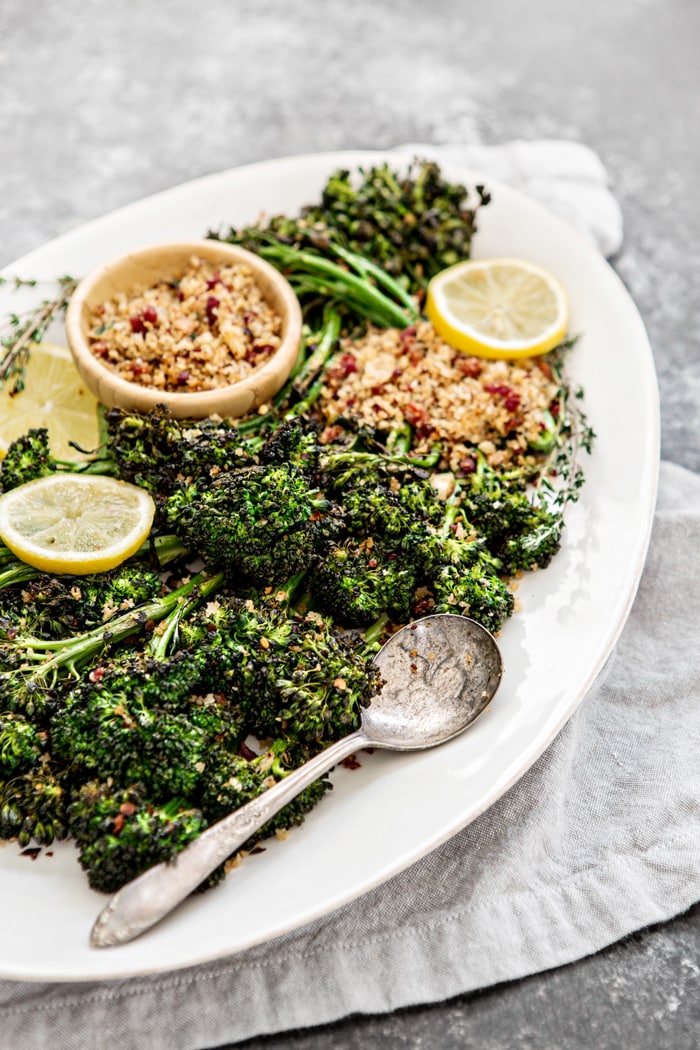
x=103 y=102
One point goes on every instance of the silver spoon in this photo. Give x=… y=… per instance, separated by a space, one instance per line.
x=439 y=674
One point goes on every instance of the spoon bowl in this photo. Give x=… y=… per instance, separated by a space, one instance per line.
x=438 y=673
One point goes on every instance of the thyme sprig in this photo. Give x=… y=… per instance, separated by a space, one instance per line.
x=20 y=330
x=560 y=475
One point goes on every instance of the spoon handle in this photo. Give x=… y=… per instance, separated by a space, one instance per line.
x=148 y=898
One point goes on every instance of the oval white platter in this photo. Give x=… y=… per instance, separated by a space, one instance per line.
x=395 y=808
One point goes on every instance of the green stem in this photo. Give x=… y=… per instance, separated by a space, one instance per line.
x=365 y=294
x=77 y=651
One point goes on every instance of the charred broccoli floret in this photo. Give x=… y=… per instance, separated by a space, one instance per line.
x=143 y=719
x=516 y=530
x=477 y=592
x=26 y=459
x=21 y=744
x=262 y=523
x=120 y=832
x=236 y=779
x=355 y=582
x=159 y=453
x=60 y=606
x=291 y=674
x=33 y=806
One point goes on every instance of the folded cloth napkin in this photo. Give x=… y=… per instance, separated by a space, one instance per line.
x=599 y=838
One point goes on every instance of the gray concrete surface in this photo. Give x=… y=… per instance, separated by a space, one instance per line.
x=102 y=103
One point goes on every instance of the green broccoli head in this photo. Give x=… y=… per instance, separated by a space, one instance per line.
x=21 y=744
x=144 y=720
x=477 y=592
x=33 y=806
x=261 y=523
x=26 y=459
x=120 y=832
x=54 y=607
x=355 y=582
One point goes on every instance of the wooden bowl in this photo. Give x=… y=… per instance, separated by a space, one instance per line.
x=141 y=269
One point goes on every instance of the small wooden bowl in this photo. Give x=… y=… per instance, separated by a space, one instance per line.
x=138 y=270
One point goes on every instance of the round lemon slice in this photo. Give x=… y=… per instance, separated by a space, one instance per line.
x=498 y=308
x=74 y=523
x=55 y=397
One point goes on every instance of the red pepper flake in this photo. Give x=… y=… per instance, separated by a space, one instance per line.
x=468 y=366
x=330 y=434
x=555 y=408
x=32 y=852
x=423 y=605
x=183 y=379
x=351 y=762
x=97 y=674
x=414 y=668
x=345 y=365
x=418 y=418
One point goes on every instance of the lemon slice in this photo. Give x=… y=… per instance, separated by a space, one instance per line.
x=75 y=523
x=498 y=308
x=55 y=397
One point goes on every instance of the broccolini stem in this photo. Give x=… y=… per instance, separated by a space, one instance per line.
x=74 y=653
x=367 y=268
x=363 y=294
x=374 y=634
x=17 y=572
x=313 y=366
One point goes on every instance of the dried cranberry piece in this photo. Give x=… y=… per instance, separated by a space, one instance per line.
x=212 y=306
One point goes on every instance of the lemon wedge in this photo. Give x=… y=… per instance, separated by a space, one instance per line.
x=75 y=523
x=494 y=308
x=55 y=397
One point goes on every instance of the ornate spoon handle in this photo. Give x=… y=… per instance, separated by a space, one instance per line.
x=142 y=902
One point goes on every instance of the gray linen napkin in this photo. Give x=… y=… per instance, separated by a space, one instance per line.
x=599 y=838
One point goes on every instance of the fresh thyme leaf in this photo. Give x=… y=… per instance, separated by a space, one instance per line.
x=19 y=331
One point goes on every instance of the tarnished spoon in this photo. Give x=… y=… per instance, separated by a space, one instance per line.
x=439 y=673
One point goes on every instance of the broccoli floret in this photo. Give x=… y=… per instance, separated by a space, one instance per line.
x=33 y=806
x=262 y=524
x=120 y=832
x=477 y=592
x=355 y=582
x=295 y=674
x=293 y=441
x=516 y=530
x=27 y=459
x=21 y=744
x=59 y=606
x=158 y=452
x=372 y=509
x=142 y=719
